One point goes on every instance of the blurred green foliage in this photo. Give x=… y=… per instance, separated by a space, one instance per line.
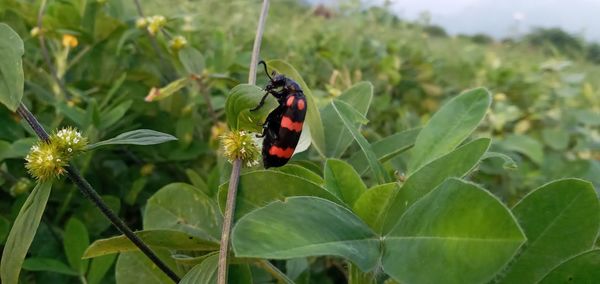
x=545 y=113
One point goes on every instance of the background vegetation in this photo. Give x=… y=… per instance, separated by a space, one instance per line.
x=545 y=115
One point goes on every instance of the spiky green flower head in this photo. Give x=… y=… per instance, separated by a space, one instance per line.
x=69 y=141
x=45 y=161
x=240 y=145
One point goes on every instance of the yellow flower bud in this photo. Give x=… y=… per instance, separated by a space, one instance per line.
x=156 y=23
x=147 y=169
x=69 y=41
x=34 y=32
x=141 y=23
x=177 y=43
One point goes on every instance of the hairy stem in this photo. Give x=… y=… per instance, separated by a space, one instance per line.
x=227 y=221
x=237 y=164
x=87 y=191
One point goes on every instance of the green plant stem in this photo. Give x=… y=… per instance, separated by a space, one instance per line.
x=228 y=221
x=274 y=271
x=257 y=41
x=87 y=191
x=44 y=50
x=237 y=164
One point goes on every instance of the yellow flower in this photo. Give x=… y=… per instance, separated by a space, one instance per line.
x=69 y=41
x=156 y=23
x=240 y=145
x=177 y=43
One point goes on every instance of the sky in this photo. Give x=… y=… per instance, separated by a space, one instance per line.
x=502 y=18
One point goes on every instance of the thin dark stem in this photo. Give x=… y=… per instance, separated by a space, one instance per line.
x=228 y=221
x=33 y=122
x=87 y=191
x=237 y=164
x=44 y=50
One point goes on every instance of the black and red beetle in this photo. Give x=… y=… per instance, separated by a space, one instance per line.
x=283 y=126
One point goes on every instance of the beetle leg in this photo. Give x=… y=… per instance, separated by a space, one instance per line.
x=262 y=102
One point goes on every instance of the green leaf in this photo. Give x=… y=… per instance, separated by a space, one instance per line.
x=560 y=220
x=11 y=68
x=241 y=99
x=74 y=113
x=525 y=145
x=460 y=231
x=386 y=149
x=206 y=272
x=98 y=268
x=305 y=226
x=313 y=117
x=192 y=60
x=337 y=137
x=135 y=137
x=167 y=239
x=371 y=206
x=509 y=163
x=198 y=182
x=182 y=207
x=114 y=114
x=48 y=264
x=75 y=241
x=449 y=127
x=343 y=181
x=18 y=149
x=259 y=188
x=4 y=228
x=582 y=268
x=557 y=138
x=300 y=171
x=455 y=164
x=168 y=90
x=22 y=233
x=587 y=116
x=136 y=268
x=343 y=112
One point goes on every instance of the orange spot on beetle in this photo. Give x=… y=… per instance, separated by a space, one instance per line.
x=286 y=122
x=301 y=104
x=280 y=152
x=290 y=101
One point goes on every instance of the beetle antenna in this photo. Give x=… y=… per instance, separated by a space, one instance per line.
x=266 y=72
